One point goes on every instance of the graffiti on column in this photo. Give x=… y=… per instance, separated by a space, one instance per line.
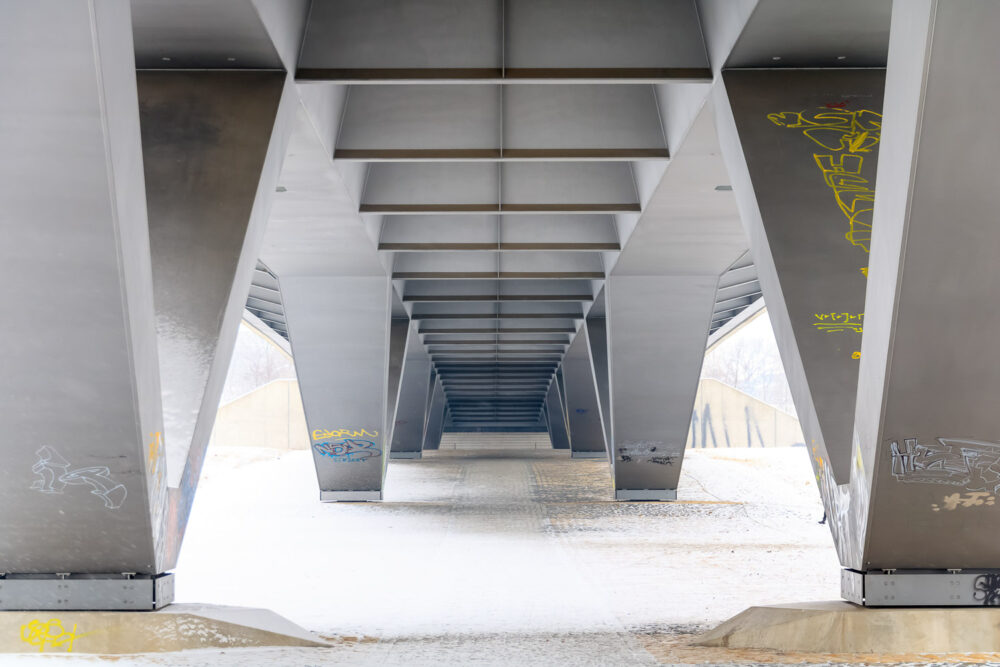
x=986 y=589
x=346 y=445
x=646 y=451
x=54 y=476
x=970 y=464
x=846 y=136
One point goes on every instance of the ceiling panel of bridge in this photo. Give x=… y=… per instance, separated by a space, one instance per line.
x=815 y=33
x=489 y=150
x=200 y=34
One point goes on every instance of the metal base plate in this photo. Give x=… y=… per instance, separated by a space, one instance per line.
x=589 y=455
x=405 y=455
x=85 y=592
x=645 y=494
x=349 y=496
x=921 y=588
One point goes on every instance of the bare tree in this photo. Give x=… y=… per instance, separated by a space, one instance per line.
x=255 y=362
x=748 y=360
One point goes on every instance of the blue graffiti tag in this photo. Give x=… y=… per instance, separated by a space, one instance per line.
x=348 y=450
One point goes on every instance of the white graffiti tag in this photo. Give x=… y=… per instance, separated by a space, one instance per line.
x=970 y=464
x=54 y=476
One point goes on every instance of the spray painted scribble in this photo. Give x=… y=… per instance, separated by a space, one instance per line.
x=970 y=464
x=327 y=434
x=839 y=322
x=974 y=499
x=645 y=451
x=846 y=134
x=348 y=450
x=50 y=633
x=54 y=476
x=986 y=589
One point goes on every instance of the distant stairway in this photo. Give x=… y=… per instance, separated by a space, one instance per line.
x=495 y=441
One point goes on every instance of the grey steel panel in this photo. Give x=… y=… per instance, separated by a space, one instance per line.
x=94 y=593
x=401 y=34
x=80 y=410
x=645 y=494
x=815 y=272
x=349 y=496
x=212 y=144
x=814 y=33
x=193 y=34
x=811 y=275
x=594 y=34
x=589 y=455
x=405 y=455
x=953 y=588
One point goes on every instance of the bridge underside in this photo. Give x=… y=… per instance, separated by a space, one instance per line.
x=494 y=215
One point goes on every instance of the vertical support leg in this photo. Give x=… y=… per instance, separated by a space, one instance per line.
x=434 y=427
x=414 y=393
x=586 y=430
x=339 y=329
x=80 y=483
x=650 y=412
x=399 y=329
x=555 y=418
x=926 y=420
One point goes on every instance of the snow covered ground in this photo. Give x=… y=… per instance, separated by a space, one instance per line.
x=494 y=557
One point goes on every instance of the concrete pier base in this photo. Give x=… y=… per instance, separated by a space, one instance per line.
x=842 y=627
x=176 y=628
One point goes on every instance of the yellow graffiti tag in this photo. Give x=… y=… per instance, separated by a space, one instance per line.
x=49 y=633
x=838 y=322
x=155 y=441
x=973 y=499
x=847 y=133
x=326 y=434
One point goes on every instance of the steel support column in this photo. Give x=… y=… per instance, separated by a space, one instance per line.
x=339 y=329
x=650 y=411
x=82 y=484
x=555 y=418
x=414 y=389
x=926 y=427
x=586 y=428
x=434 y=424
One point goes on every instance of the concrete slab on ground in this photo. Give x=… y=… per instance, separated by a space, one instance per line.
x=841 y=627
x=178 y=627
